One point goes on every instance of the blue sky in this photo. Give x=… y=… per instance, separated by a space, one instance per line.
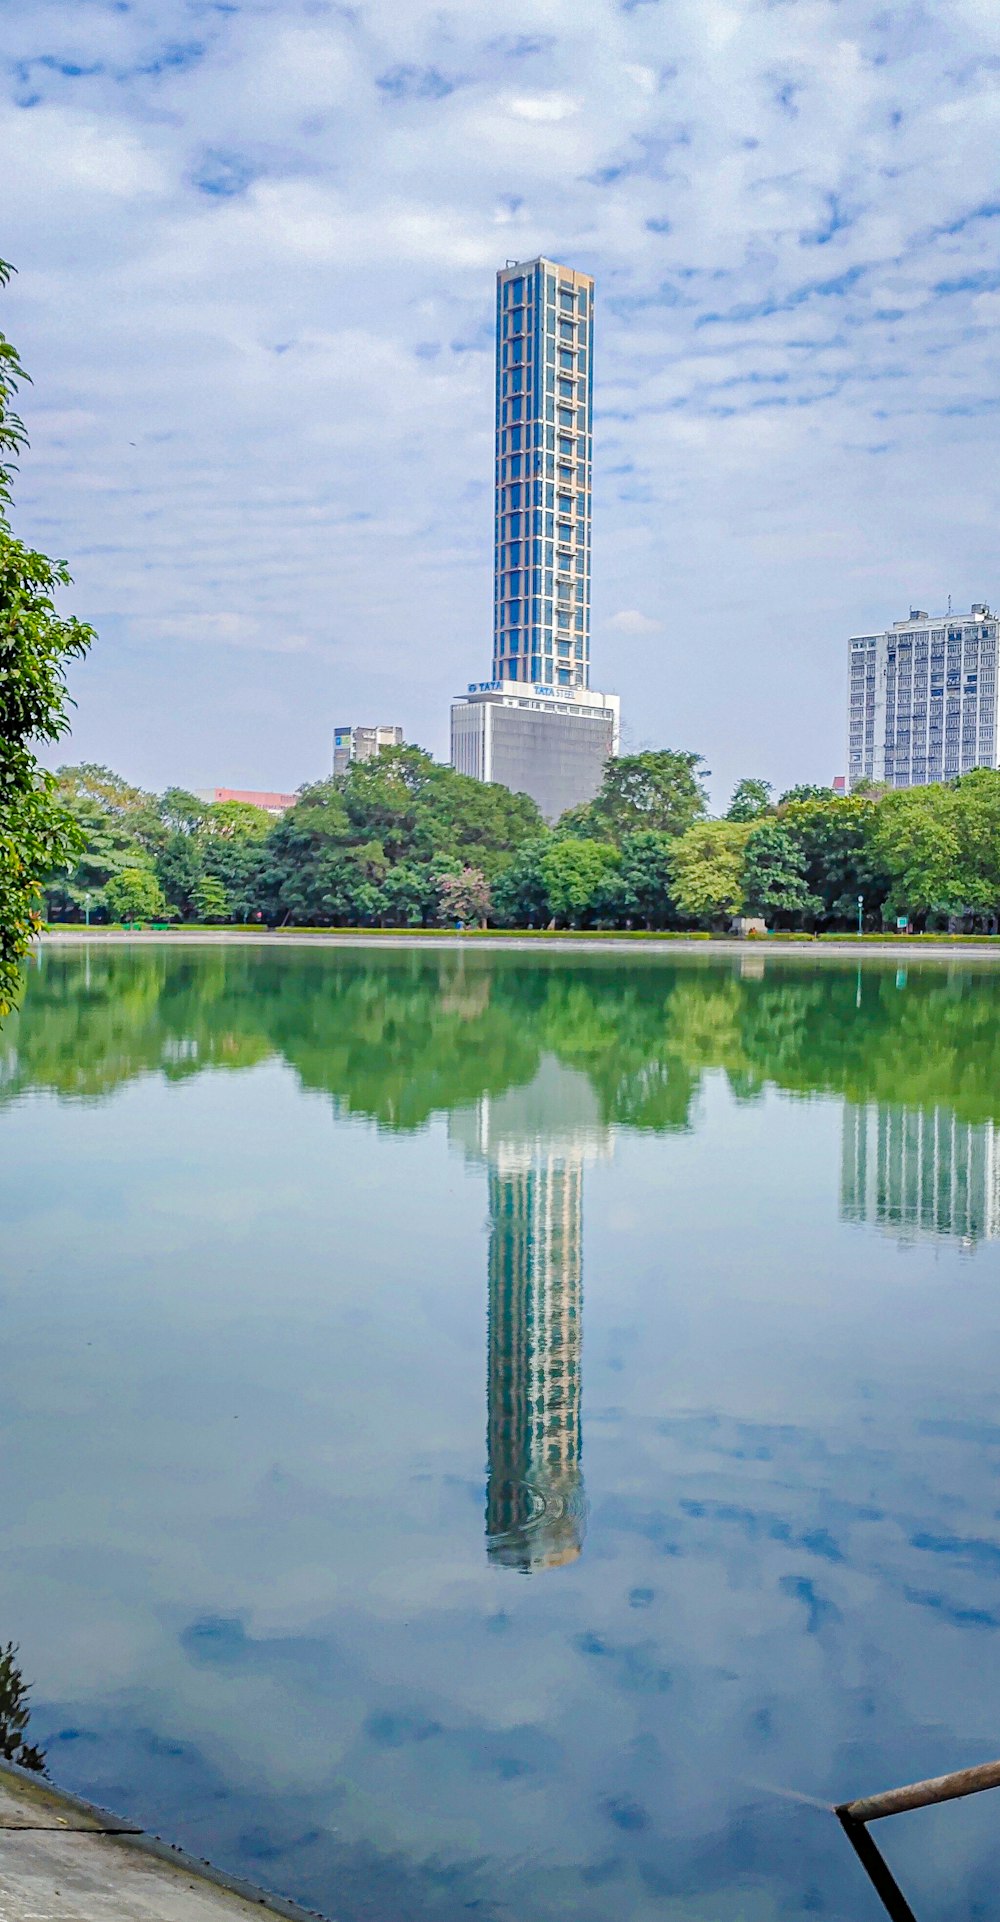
x=256 y=247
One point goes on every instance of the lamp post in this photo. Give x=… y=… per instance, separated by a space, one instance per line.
x=86 y=909
x=861 y=904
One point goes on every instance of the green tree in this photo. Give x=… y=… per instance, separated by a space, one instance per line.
x=135 y=895
x=211 y=902
x=235 y=821
x=36 y=646
x=368 y=846
x=706 y=866
x=91 y=786
x=834 y=833
x=573 y=870
x=774 y=875
x=179 y=868
x=750 y=799
x=117 y=828
x=520 y=896
x=805 y=791
x=15 y=1714
x=644 y=881
x=406 y=897
x=180 y=811
x=976 y=818
x=659 y=792
x=917 y=841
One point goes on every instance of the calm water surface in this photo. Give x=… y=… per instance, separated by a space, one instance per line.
x=484 y=1434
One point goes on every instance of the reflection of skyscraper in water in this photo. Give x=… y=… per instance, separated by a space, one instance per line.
x=535 y=1141
x=920 y=1172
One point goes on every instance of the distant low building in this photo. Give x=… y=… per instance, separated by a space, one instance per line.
x=362 y=744
x=551 y=743
x=263 y=798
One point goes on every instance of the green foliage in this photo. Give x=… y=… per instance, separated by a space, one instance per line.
x=659 y=792
x=403 y=842
x=370 y=846
x=520 y=898
x=134 y=895
x=572 y=870
x=235 y=821
x=917 y=840
x=706 y=867
x=117 y=828
x=209 y=899
x=638 y=892
x=15 y=1713
x=750 y=800
x=36 y=646
x=835 y=836
x=774 y=875
x=805 y=791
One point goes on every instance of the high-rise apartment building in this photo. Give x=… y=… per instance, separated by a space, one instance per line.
x=362 y=744
x=537 y=726
x=543 y=455
x=923 y=698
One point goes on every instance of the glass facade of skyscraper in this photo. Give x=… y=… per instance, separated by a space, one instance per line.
x=544 y=453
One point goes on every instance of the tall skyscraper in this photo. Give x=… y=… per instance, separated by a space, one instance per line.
x=543 y=456
x=923 y=698
x=536 y=726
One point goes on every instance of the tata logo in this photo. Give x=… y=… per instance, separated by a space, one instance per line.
x=485 y=687
x=540 y=688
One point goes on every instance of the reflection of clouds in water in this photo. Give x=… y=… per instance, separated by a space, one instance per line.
x=338 y=1693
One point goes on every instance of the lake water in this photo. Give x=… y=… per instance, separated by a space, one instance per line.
x=484 y=1434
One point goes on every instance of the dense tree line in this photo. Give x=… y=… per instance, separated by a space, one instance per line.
x=404 y=842
x=36 y=645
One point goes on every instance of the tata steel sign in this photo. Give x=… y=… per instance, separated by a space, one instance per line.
x=497 y=687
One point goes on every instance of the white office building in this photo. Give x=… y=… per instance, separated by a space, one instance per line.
x=551 y=743
x=922 y=699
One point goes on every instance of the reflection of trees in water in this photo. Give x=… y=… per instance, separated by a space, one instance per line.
x=15 y=1714
x=399 y=1036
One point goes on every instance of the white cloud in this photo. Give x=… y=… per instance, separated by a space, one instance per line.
x=542 y=107
x=631 y=621
x=257 y=253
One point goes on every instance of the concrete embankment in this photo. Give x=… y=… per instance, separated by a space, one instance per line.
x=62 y=1860
x=431 y=942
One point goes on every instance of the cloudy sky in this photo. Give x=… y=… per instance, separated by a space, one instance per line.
x=256 y=246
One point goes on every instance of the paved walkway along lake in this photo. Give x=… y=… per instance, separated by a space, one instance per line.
x=63 y=1861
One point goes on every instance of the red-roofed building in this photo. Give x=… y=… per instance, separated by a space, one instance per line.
x=251 y=797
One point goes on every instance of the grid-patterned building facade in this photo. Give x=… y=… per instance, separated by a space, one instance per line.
x=922 y=699
x=544 y=452
x=919 y=1172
